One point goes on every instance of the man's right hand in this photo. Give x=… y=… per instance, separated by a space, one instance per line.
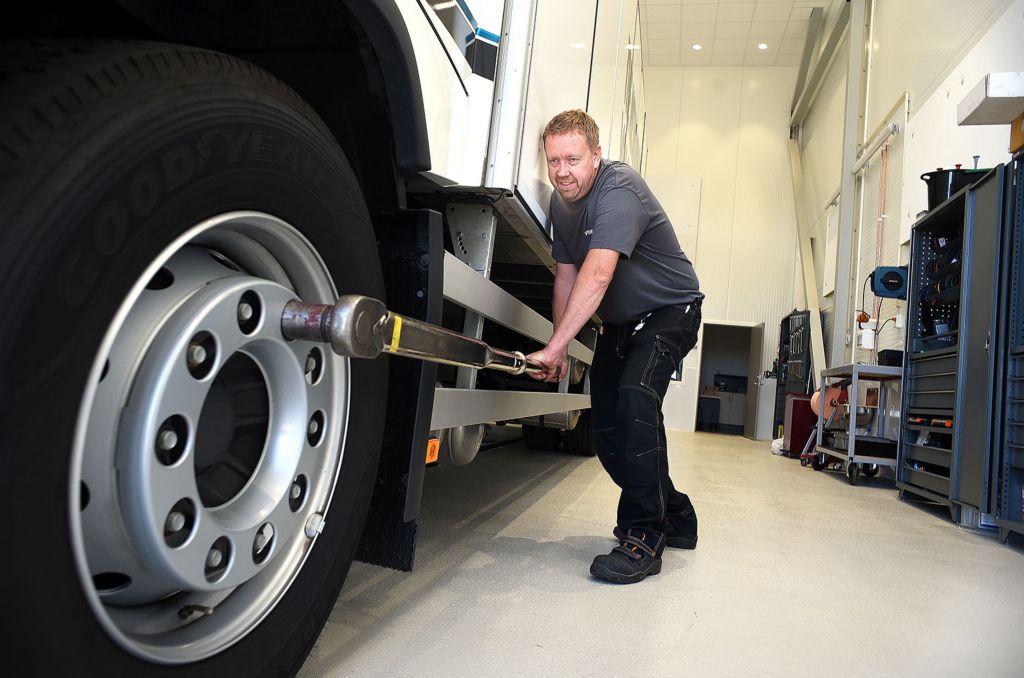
x=554 y=361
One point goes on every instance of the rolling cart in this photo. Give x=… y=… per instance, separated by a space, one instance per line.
x=854 y=434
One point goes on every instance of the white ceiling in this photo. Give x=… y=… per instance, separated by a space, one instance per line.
x=728 y=31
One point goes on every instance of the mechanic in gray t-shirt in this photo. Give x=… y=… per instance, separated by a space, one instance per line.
x=617 y=255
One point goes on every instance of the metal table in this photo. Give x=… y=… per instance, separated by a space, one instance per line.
x=856 y=463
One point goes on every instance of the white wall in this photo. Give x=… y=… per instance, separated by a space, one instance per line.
x=727 y=128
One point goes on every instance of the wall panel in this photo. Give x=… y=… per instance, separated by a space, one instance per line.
x=728 y=128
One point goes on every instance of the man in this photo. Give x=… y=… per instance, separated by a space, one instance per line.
x=617 y=255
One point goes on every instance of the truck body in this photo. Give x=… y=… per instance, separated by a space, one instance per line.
x=437 y=108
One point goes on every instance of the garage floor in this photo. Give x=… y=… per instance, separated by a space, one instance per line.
x=796 y=573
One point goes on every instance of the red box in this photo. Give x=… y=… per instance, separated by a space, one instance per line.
x=799 y=425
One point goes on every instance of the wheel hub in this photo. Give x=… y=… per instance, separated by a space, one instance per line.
x=230 y=482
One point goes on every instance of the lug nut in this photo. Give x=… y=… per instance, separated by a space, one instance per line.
x=310 y=364
x=175 y=521
x=245 y=311
x=296 y=491
x=315 y=525
x=168 y=439
x=264 y=536
x=214 y=558
x=196 y=355
x=314 y=427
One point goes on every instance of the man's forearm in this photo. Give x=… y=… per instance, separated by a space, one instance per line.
x=581 y=304
x=560 y=298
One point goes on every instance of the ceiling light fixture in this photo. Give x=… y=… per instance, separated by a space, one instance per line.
x=631 y=46
x=762 y=45
x=577 y=45
x=697 y=47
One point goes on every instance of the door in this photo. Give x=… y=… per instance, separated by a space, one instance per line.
x=753 y=381
x=971 y=451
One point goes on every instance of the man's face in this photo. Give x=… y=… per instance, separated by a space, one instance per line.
x=572 y=165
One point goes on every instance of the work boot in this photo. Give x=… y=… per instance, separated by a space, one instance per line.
x=632 y=560
x=681 y=527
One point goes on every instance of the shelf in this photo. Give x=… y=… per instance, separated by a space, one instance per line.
x=946 y=216
x=935 y=352
x=930 y=429
x=864 y=372
x=948 y=294
x=931 y=412
x=927 y=494
x=943 y=272
x=1017 y=350
x=937 y=456
x=929 y=481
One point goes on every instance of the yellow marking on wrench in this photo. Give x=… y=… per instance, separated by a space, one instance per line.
x=396 y=333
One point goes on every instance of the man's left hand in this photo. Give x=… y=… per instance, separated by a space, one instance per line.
x=554 y=361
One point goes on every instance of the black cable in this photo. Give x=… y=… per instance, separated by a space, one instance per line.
x=863 y=298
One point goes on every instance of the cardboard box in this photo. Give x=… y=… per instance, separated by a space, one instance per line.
x=1017 y=134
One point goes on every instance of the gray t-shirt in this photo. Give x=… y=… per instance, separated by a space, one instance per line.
x=620 y=213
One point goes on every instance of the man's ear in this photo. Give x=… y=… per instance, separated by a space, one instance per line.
x=597 y=156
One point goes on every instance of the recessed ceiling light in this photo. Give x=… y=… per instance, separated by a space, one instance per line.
x=632 y=46
x=577 y=45
x=762 y=45
x=697 y=47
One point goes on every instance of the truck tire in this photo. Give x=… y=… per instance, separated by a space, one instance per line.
x=580 y=439
x=183 y=488
x=541 y=437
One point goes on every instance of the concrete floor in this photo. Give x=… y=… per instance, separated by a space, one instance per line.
x=796 y=573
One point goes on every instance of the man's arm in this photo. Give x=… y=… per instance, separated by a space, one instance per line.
x=586 y=295
x=582 y=293
x=565 y=278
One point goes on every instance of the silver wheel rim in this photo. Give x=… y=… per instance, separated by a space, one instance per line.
x=207 y=447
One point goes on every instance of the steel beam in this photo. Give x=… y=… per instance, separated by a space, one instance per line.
x=807 y=263
x=810 y=42
x=821 y=66
x=465 y=287
x=463 y=407
x=853 y=128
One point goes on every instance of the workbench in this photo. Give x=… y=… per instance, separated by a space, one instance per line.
x=841 y=442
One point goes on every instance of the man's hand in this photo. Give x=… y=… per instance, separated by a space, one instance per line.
x=554 y=361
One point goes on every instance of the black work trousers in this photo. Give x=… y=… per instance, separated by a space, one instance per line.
x=632 y=367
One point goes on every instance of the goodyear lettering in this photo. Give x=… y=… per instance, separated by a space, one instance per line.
x=111 y=228
x=145 y=191
x=236 y=142
x=175 y=169
x=179 y=165
x=260 y=147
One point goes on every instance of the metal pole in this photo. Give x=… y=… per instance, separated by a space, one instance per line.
x=853 y=126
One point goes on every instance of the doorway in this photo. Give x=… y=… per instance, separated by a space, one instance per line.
x=729 y=376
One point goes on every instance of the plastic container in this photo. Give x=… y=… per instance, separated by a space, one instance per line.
x=943 y=183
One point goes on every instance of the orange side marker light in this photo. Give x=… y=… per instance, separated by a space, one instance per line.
x=433 y=450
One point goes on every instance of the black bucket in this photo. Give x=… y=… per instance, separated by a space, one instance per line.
x=944 y=183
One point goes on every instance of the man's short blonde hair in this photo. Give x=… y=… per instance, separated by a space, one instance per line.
x=574 y=121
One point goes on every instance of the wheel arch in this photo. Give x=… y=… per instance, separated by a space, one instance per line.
x=308 y=45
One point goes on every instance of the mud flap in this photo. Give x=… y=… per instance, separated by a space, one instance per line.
x=412 y=255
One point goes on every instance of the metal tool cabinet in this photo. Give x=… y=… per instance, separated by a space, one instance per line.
x=840 y=442
x=953 y=338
